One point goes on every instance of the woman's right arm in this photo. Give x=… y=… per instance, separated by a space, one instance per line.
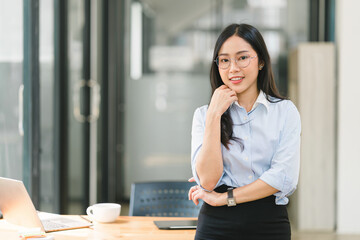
x=209 y=163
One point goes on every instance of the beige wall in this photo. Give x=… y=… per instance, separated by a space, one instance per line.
x=312 y=88
x=348 y=162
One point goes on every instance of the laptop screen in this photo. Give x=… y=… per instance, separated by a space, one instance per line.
x=16 y=204
x=17 y=208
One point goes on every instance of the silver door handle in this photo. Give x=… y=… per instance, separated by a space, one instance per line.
x=94 y=101
x=21 y=110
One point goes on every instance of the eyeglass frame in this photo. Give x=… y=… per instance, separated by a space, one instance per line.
x=236 y=61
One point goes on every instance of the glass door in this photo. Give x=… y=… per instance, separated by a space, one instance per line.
x=83 y=104
x=11 y=89
x=19 y=110
x=48 y=194
x=49 y=100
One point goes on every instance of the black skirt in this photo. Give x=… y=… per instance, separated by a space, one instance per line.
x=257 y=220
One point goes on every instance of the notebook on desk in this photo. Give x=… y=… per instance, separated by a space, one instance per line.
x=17 y=208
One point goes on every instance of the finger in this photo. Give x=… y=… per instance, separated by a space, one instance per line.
x=192 y=198
x=196 y=197
x=189 y=193
x=229 y=91
x=198 y=194
x=191 y=190
x=223 y=93
x=226 y=89
x=192 y=179
x=219 y=90
x=193 y=194
x=233 y=93
x=234 y=98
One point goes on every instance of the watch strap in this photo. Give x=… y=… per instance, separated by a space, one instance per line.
x=231 y=202
x=230 y=193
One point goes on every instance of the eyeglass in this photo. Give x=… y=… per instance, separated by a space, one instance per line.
x=242 y=61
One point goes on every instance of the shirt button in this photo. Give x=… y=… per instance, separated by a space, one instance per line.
x=245 y=118
x=245 y=138
x=250 y=177
x=246 y=158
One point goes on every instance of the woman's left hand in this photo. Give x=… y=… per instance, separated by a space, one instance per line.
x=212 y=198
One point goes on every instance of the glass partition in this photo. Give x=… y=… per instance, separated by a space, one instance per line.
x=75 y=140
x=176 y=39
x=46 y=59
x=170 y=51
x=11 y=69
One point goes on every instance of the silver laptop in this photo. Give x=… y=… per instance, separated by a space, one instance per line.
x=176 y=224
x=17 y=208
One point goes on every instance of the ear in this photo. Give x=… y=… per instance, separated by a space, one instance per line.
x=261 y=64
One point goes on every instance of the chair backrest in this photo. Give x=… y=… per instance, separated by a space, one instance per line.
x=165 y=199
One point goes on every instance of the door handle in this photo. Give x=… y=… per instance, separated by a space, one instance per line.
x=21 y=110
x=94 y=101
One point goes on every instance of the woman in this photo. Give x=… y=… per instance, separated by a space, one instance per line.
x=245 y=144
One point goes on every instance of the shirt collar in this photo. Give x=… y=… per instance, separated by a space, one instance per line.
x=261 y=99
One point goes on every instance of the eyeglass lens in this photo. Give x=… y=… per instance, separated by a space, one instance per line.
x=242 y=61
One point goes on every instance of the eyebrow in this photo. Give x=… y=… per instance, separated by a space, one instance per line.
x=221 y=54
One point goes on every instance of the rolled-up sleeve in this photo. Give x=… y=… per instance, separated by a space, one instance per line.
x=197 y=136
x=283 y=173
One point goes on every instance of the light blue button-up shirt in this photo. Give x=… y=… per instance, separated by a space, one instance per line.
x=270 y=133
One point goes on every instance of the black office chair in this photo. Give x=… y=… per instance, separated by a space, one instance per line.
x=165 y=199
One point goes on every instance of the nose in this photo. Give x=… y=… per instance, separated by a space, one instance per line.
x=233 y=66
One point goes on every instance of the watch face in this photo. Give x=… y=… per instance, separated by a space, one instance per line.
x=231 y=202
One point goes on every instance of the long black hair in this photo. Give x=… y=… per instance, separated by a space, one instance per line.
x=265 y=80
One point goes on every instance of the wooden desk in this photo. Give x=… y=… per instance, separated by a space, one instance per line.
x=137 y=228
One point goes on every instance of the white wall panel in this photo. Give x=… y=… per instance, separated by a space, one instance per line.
x=348 y=43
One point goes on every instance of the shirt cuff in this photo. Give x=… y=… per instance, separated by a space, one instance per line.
x=276 y=181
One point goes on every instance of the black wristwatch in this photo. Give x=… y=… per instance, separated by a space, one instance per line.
x=230 y=199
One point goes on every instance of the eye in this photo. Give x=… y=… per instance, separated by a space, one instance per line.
x=243 y=57
x=224 y=60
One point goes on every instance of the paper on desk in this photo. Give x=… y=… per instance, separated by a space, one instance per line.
x=42 y=238
x=31 y=233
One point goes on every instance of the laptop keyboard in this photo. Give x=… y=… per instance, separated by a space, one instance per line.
x=50 y=225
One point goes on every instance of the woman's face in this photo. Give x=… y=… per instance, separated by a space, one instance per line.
x=242 y=79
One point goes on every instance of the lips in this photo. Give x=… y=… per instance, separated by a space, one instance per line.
x=236 y=79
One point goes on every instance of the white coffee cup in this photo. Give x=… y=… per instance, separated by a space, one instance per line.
x=104 y=212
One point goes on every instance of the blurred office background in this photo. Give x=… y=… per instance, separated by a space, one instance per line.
x=98 y=94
